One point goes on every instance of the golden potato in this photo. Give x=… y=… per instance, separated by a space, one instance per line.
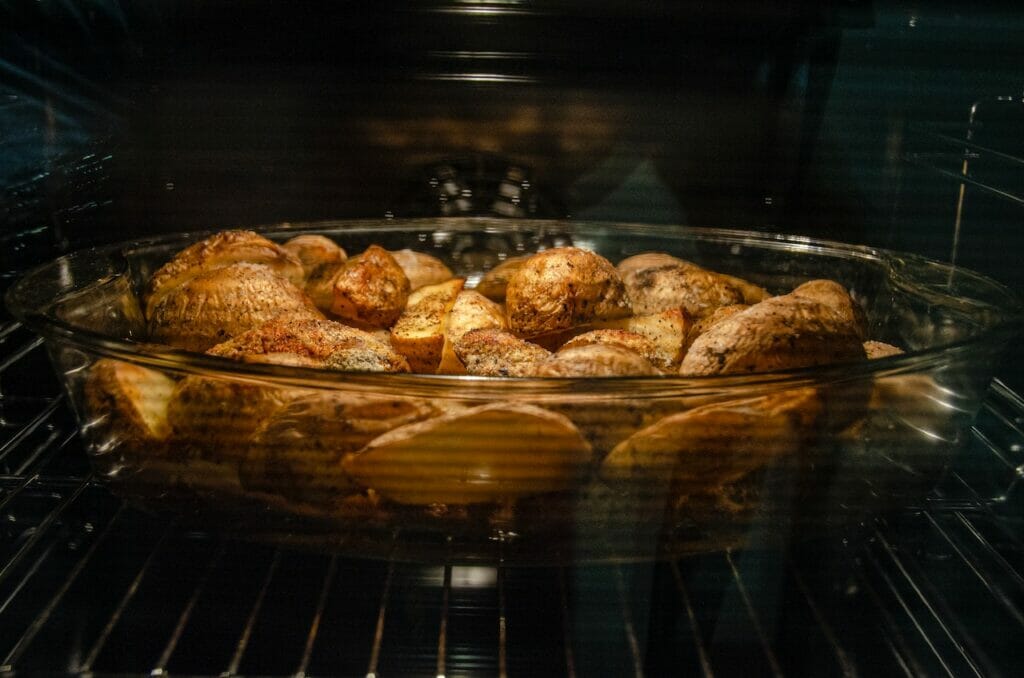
x=490 y=453
x=561 y=288
x=421 y=269
x=307 y=342
x=471 y=311
x=314 y=251
x=368 y=291
x=707 y=322
x=217 y=251
x=223 y=302
x=632 y=341
x=832 y=294
x=595 y=360
x=631 y=267
x=494 y=282
x=419 y=333
x=785 y=332
x=879 y=349
x=129 y=404
x=696 y=291
x=497 y=353
x=297 y=451
x=666 y=330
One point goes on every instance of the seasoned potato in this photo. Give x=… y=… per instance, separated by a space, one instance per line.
x=314 y=251
x=419 y=332
x=635 y=265
x=223 y=302
x=497 y=353
x=779 y=333
x=832 y=294
x=707 y=322
x=696 y=291
x=217 y=251
x=471 y=311
x=595 y=360
x=421 y=269
x=632 y=341
x=129 y=403
x=297 y=451
x=494 y=282
x=666 y=330
x=561 y=288
x=489 y=453
x=879 y=349
x=368 y=291
x=323 y=343
x=713 y=445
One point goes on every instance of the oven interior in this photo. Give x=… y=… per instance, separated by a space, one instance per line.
x=889 y=123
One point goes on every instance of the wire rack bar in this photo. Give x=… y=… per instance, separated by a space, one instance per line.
x=378 y=633
x=847 y=667
x=30 y=427
x=254 y=613
x=627 y=624
x=314 y=627
x=893 y=635
x=502 y=626
x=990 y=550
x=563 y=590
x=691 y=616
x=442 y=633
x=741 y=588
x=19 y=353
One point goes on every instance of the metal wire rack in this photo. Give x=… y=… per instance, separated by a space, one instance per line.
x=92 y=586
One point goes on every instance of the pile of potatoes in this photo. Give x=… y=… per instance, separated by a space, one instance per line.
x=564 y=312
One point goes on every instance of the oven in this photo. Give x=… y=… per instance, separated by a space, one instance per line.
x=890 y=123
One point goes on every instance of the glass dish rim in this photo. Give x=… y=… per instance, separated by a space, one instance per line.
x=166 y=358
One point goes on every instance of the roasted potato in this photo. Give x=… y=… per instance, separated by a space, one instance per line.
x=494 y=282
x=471 y=311
x=696 y=291
x=497 y=353
x=419 y=333
x=707 y=322
x=832 y=294
x=368 y=291
x=490 y=453
x=785 y=332
x=632 y=341
x=421 y=269
x=879 y=349
x=630 y=267
x=666 y=330
x=595 y=360
x=223 y=302
x=297 y=451
x=217 y=251
x=314 y=251
x=561 y=288
x=129 y=404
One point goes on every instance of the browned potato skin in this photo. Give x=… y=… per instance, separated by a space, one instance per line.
x=595 y=360
x=631 y=341
x=421 y=269
x=314 y=251
x=492 y=453
x=219 y=250
x=631 y=266
x=471 y=311
x=879 y=349
x=710 y=320
x=498 y=353
x=223 y=302
x=419 y=333
x=368 y=291
x=696 y=291
x=495 y=281
x=713 y=445
x=666 y=330
x=561 y=288
x=832 y=294
x=297 y=451
x=786 y=332
x=127 y=403
x=323 y=343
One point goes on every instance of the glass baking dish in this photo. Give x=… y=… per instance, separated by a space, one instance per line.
x=855 y=440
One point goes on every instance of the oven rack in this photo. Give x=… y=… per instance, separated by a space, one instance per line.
x=91 y=586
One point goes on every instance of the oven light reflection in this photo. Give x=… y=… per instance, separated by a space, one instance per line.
x=474 y=577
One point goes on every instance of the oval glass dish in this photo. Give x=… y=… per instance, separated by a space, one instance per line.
x=539 y=470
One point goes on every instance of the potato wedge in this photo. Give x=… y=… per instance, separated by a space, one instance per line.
x=297 y=451
x=835 y=296
x=713 y=445
x=129 y=403
x=471 y=311
x=495 y=281
x=595 y=360
x=498 y=353
x=368 y=291
x=707 y=322
x=419 y=333
x=223 y=302
x=561 y=288
x=314 y=251
x=879 y=349
x=696 y=291
x=421 y=269
x=490 y=453
x=632 y=341
x=630 y=267
x=666 y=330
x=217 y=251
